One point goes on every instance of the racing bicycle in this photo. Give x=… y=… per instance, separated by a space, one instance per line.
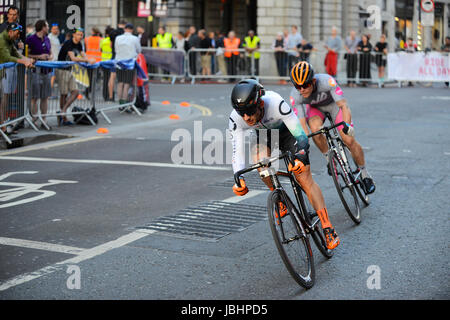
x=346 y=174
x=292 y=231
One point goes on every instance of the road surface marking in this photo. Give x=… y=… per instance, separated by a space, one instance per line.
x=436 y=97
x=205 y=110
x=40 y=245
x=116 y=162
x=58 y=144
x=249 y=195
x=82 y=256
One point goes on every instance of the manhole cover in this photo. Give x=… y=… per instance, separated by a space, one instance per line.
x=209 y=221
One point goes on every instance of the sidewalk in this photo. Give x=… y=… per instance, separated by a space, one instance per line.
x=156 y=115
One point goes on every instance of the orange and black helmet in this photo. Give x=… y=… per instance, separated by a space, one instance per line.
x=302 y=74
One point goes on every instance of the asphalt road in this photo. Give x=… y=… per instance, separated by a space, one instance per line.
x=111 y=187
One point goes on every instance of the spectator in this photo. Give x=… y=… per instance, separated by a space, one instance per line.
x=55 y=47
x=410 y=47
x=251 y=45
x=39 y=48
x=220 y=45
x=180 y=42
x=351 y=46
x=193 y=41
x=205 y=56
x=304 y=50
x=92 y=45
x=30 y=30
x=364 y=49
x=380 y=58
x=127 y=46
x=293 y=40
x=232 y=43
x=333 y=46
x=12 y=16
x=72 y=50
x=113 y=35
x=212 y=36
x=9 y=53
x=446 y=48
x=164 y=39
x=106 y=49
x=142 y=35
x=54 y=41
x=280 y=45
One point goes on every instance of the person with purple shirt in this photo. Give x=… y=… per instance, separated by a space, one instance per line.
x=39 y=48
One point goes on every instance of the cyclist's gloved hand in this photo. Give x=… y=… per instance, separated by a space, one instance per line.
x=297 y=168
x=240 y=191
x=348 y=130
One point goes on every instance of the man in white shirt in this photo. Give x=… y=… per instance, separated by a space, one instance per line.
x=294 y=38
x=127 y=46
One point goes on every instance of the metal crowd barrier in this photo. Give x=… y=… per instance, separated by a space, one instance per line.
x=61 y=90
x=275 y=65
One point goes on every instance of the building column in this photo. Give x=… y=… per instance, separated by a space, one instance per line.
x=390 y=26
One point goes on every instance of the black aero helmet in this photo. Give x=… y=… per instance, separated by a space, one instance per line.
x=246 y=95
x=302 y=74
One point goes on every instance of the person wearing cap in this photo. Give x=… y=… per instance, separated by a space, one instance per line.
x=9 y=53
x=72 y=50
x=12 y=16
x=127 y=46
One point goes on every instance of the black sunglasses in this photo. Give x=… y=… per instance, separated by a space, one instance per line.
x=247 y=111
x=303 y=86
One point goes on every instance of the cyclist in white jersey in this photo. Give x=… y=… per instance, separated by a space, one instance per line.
x=315 y=94
x=255 y=108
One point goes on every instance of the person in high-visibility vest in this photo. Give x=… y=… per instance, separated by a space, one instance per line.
x=231 y=53
x=164 y=39
x=251 y=45
x=93 y=45
x=107 y=54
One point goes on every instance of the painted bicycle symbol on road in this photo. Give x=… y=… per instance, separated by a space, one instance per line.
x=18 y=190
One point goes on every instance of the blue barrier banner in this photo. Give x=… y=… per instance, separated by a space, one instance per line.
x=110 y=64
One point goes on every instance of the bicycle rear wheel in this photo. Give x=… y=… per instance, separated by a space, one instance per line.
x=295 y=250
x=359 y=187
x=313 y=220
x=344 y=187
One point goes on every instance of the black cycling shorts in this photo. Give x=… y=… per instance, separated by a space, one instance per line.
x=287 y=142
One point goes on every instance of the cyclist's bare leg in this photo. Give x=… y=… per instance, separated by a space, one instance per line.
x=311 y=188
x=355 y=148
x=315 y=123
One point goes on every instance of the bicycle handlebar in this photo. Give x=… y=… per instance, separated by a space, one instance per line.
x=326 y=129
x=263 y=163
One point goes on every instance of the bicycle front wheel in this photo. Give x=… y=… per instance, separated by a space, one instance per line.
x=344 y=187
x=294 y=248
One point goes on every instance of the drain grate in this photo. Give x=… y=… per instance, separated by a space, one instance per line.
x=209 y=221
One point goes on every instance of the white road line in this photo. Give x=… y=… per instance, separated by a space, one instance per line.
x=40 y=245
x=47 y=146
x=84 y=255
x=447 y=153
x=117 y=162
x=249 y=195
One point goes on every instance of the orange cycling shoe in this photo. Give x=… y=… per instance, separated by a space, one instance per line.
x=298 y=167
x=240 y=191
x=282 y=209
x=331 y=237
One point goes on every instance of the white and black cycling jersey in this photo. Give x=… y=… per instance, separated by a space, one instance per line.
x=277 y=115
